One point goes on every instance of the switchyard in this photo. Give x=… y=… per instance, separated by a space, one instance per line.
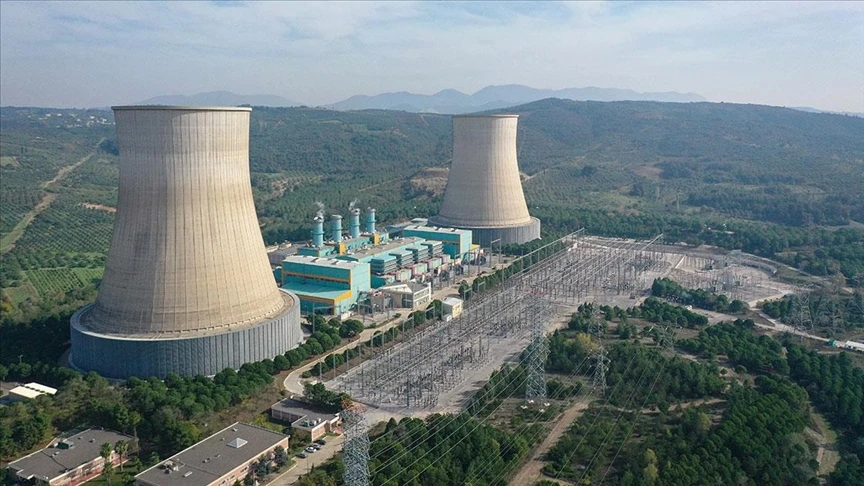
x=428 y=372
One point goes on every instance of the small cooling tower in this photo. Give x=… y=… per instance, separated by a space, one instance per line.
x=187 y=287
x=484 y=191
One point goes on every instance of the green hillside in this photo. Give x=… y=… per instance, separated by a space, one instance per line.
x=778 y=182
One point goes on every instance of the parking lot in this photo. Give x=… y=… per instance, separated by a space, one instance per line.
x=304 y=465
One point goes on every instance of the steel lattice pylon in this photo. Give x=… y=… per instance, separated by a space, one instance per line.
x=535 y=387
x=355 y=451
x=600 y=369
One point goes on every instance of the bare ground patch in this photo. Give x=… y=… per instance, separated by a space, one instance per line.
x=432 y=180
x=100 y=207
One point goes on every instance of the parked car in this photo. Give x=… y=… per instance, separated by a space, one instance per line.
x=315 y=446
x=302 y=456
x=310 y=449
x=321 y=442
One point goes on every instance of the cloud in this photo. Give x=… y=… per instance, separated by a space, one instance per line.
x=99 y=53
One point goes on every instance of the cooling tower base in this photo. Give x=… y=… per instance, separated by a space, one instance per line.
x=484 y=236
x=121 y=357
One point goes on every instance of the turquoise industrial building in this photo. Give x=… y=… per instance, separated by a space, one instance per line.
x=331 y=276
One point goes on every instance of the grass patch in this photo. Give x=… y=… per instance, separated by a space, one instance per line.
x=20 y=293
x=9 y=161
x=88 y=275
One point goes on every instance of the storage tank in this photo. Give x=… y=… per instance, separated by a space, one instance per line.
x=484 y=191
x=187 y=287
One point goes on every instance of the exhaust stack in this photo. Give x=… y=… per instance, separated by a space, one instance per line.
x=370 y=220
x=318 y=232
x=354 y=223
x=336 y=228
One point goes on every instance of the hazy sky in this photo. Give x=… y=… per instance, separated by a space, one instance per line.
x=101 y=53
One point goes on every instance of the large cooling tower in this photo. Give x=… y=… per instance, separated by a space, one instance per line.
x=484 y=192
x=187 y=286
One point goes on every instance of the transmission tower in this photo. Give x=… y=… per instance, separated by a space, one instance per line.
x=667 y=337
x=596 y=327
x=535 y=387
x=355 y=455
x=600 y=369
x=801 y=316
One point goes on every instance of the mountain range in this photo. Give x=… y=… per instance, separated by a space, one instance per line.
x=219 y=98
x=448 y=101
x=494 y=97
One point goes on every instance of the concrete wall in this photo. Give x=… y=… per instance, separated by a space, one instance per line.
x=515 y=234
x=205 y=354
x=86 y=472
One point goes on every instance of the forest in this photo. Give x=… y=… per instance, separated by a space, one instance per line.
x=675 y=421
x=165 y=414
x=757 y=441
x=703 y=299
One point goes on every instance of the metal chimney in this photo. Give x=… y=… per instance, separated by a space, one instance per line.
x=336 y=227
x=370 y=220
x=354 y=223
x=317 y=231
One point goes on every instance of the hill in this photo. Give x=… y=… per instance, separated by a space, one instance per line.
x=492 y=97
x=778 y=182
x=219 y=98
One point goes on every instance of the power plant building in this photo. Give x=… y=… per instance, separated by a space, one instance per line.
x=223 y=459
x=187 y=287
x=337 y=243
x=325 y=284
x=484 y=190
x=456 y=242
x=332 y=277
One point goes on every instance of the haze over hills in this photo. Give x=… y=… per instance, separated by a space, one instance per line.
x=449 y=101
x=219 y=98
x=494 y=97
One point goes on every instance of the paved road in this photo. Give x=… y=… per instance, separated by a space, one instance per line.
x=779 y=326
x=303 y=466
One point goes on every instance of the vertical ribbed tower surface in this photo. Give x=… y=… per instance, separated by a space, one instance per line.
x=484 y=191
x=187 y=272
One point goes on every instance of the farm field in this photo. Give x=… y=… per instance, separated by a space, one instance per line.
x=52 y=280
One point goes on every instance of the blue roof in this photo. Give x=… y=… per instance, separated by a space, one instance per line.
x=314 y=290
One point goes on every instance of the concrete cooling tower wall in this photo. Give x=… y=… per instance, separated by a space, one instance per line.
x=484 y=191
x=187 y=286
